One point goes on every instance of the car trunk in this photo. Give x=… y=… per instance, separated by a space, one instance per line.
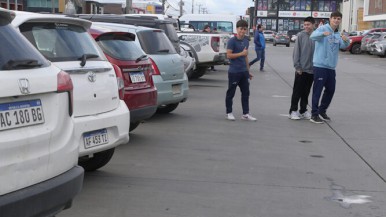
x=95 y=87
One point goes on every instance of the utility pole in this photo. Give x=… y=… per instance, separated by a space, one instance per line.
x=255 y=16
x=163 y=6
x=192 y=6
x=181 y=3
x=129 y=4
x=8 y=4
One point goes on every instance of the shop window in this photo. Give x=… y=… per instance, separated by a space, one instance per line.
x=292 y=5
x=326 y=5
x=265 y=5
x=321 y=6
x=297 y=5
x=260 y=5
x=333 y=6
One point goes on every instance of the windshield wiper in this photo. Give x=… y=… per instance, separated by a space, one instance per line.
x=21 y=64
x=164 y=51
x=84 y=58
x=140 y=58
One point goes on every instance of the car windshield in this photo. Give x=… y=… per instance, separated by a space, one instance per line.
x=60 y=41
x=120 y=46
x=16 y=51
x=155 y=42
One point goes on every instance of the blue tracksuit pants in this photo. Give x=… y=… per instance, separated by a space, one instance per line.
x=323 y=78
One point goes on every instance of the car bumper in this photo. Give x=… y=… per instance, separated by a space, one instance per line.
x=171 y=91
x=116 y=122
x=46 y=198
x=142 y=103
x=220 y=59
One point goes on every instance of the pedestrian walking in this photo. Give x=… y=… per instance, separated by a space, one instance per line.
x=238 y=72
x=302 y=60
x=259 y=41
x=328 y=42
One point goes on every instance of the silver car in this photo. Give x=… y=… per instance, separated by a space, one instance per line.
x=269 y=35
x=379 y=48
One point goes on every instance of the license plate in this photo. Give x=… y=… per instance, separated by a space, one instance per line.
x=137 y=77
x=95 y=138
x=21 y=114
x=176 y=89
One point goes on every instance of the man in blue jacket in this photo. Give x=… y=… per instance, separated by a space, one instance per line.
x=328 y=41
x=259 y=41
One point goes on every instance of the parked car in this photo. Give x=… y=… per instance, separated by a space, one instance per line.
x=38 y=151
x=355 y=33
x=188 y=58
x=269 y=35
x=120 y=49
x=379 y=48
x=373 y=40
x=168 y=76
x=292 y=34
x=101 y=117
x=355 y=41
x=281 y=39
x=365 y=40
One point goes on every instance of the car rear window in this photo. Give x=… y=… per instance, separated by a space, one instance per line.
x=16 y=52
x=155 y=42
x=60 y=41
x=119 y=46
x=170 y=31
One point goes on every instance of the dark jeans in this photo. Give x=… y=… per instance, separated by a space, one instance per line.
x=240 y=79
x=260 y=56
x=301 y=90
x=322 y=78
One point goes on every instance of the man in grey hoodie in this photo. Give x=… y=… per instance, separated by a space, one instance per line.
x=302 y=59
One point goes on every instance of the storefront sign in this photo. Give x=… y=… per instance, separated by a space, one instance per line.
x=319 y=14
x=262 y=14
x=294 y=13
x=272 y=13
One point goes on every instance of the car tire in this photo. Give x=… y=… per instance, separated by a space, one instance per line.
x=274 y=44
x=134 y=125
x=98 y=160
x=356 y=49
x=287 y=45
x=164 y=109
x=199 y=72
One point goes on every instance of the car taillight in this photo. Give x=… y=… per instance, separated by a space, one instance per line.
x=120 y=81
x=65 y=85
x=215 y=43
x=155 y=67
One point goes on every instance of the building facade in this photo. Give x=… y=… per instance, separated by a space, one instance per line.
x=285 y=15
x=12 y=4
x=375 y=13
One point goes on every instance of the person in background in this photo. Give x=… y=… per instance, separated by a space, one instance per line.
x=302 y=60
x=328 y=42
x=238 y=73
x=259 y=41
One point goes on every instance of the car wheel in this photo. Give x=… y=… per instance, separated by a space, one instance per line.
x=199 y=72
x=287 y=45
x=97 y=161
x=164 y=109
x=356 y=49
x=134 y=125
x=274 y=44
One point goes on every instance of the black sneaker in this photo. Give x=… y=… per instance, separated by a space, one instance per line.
x=325 y=117
x=316 y=119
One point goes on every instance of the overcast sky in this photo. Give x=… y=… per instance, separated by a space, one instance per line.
x=236 y=7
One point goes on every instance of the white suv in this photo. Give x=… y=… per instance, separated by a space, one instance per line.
x=38 y=154
x=101 y=117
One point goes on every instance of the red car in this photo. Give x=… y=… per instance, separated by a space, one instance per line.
x=139 y=93
x=355 y=41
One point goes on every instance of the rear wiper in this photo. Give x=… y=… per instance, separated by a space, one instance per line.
x=84 y=58
x=21 y=64
x=140 y=58
x=164 y=51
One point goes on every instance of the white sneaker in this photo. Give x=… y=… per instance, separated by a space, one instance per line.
x=306 y=115
x=294 y=116
x=248 y=117
x=230 y=117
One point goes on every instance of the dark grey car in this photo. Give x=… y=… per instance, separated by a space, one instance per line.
x=281 y=39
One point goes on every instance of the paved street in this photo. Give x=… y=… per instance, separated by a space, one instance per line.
x=195 y=163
